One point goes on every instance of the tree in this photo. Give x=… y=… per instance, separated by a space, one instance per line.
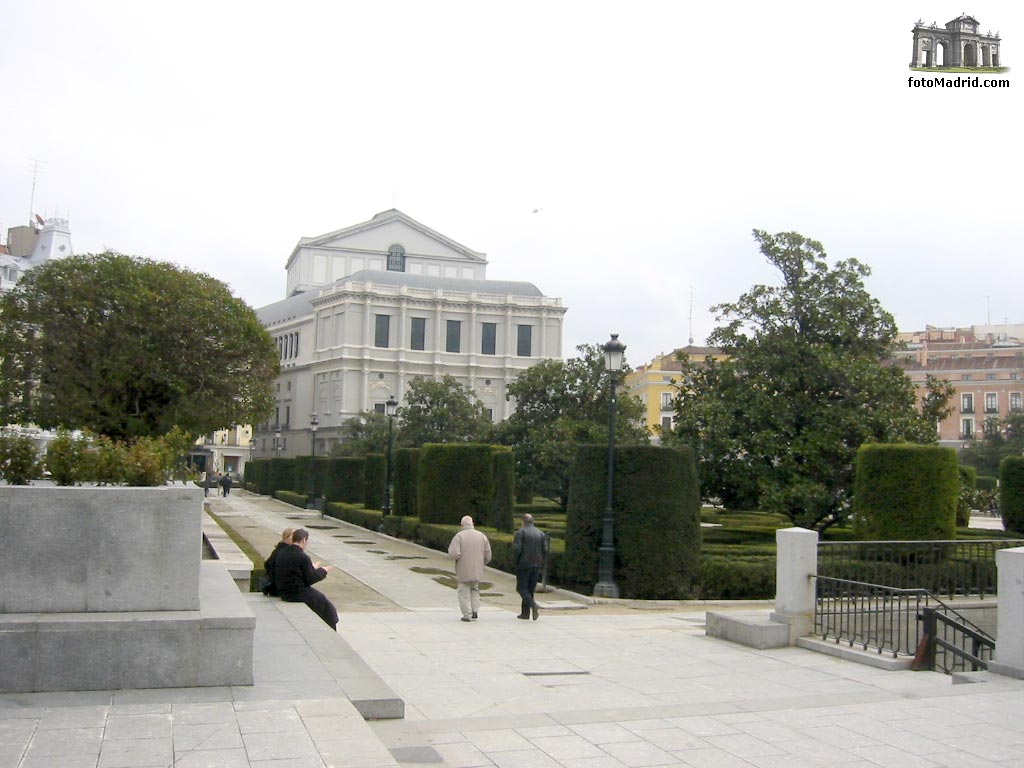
x=443 y=411
x=1000 y=438
x=808 y=380
x=363 y=434
x=560 y=406
x=128 y=347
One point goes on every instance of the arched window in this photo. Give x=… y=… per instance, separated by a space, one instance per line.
x=396 y=258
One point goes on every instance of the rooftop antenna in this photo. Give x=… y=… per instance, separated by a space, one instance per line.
x=36 y=170
x=988 y=310
x=691 y=315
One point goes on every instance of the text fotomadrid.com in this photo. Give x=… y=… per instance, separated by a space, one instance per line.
x=955 y=82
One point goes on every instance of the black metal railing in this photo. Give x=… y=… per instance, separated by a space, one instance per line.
x=951 y=642
x=952 y=568
x=873 y=616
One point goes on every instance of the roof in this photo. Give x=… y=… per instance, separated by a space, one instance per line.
x=299 y=305
x=429 y=282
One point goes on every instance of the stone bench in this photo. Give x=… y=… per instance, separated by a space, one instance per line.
x=228 y=553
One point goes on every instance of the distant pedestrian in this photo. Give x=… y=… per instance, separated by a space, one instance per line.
x=225 y=484
x=471 y=551
x=529 y=548
x=207 y=483
x=295 y=575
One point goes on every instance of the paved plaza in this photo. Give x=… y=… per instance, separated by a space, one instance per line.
x=584 y=687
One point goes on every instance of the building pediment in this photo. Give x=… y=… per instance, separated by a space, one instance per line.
x=385 y=229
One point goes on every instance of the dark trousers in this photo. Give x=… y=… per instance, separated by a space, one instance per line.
x=526 y=585
x=318 y=602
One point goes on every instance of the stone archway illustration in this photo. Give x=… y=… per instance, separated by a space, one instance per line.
x=958 y=43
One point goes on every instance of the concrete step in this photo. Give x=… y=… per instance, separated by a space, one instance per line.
x=843 y=650
x=754 y=629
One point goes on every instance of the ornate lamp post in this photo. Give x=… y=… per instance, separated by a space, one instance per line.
x=390 y=406
x=277 y=442
x=606 y=586
x=314 y=422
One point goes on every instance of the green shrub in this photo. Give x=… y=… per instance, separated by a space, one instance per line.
x=405 y=480
x=257 y=476
x=986 y=483
x=366 y=518
x=657 y=520
x=148 y=462
x=344 y=480
x=373 y=480
x=318 y=469
x=455 y=480
x=293 y=498
x=1011 y=493
x=300 y=477
x=965 y=498
x=524 y=495
x=65 y=458
x=19 y=463
x=106 y=461
x=282 y=475
x=905 y=492
x=503 y=472
x=734 y=577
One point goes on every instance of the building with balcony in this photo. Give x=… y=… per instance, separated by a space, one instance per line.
x=984 y=363
x=371 y=306
x=654 y=384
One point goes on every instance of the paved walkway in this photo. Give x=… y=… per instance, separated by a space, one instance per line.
x=598 y=687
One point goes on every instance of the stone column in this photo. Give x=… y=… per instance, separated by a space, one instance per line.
x=796 y=565
x=1009 y=654
x=915 y=58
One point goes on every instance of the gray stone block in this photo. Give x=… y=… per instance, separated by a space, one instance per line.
x=156 y=649
x=71 y=550
x=754 y=630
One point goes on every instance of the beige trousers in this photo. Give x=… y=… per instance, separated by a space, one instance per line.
x=469 y=597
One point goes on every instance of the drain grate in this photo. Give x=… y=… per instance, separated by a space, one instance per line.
x=554 y=674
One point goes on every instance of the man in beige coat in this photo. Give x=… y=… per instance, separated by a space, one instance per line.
x=471 y=551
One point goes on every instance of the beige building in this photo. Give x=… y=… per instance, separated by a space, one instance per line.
x=654 y=384
x=984 y=363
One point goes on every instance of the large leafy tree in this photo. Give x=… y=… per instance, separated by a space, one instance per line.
x=442 y=411
x=808 y=379
x=363 y=434
x=560 y=406
x=127 y=347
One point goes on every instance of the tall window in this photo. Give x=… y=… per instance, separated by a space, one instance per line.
x=488 y=338
x=967 y=403
x=524 y=343
x=453 y=338
x=1015 y=401
x=666 y=400
x=991 y=402
x=382 y=333
x=967 y=429
x=419 y=333
x=396 y=258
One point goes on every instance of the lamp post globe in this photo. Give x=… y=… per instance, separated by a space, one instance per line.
x=277 y=443
x=606 y=586
x=314 y=422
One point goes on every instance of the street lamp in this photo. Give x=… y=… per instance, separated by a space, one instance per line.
x=277 y=442
x=390 y=406
x=606 y=586
x=314 y=422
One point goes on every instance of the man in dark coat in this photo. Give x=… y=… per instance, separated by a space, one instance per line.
x=295 y=574
x=529 y=548
x=225 y=484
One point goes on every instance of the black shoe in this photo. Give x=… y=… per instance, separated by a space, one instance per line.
x=465 y=618
x=475 y=616
x=521 y=616
x=535 y=612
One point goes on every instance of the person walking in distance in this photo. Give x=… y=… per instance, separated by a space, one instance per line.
x=225 y=484
x=295 y=574
x=471 y=551
x=529 y=548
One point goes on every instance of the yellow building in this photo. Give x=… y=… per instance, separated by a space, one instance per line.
x=654 y=383
x=226 y=450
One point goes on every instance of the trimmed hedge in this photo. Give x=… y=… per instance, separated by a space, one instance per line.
x=293 y=498
x=282 y=475
x=344 y=480
x=504 y=474
x=373 y=480
x=1011 y=493
x=657 y=520
x=405 y=481
x=257 y=476
x=455 y=479
x=905 y=492
x=965 y=499
x=986 y=483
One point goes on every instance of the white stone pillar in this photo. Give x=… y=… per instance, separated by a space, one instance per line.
x=1009 y=654
x=796 y=565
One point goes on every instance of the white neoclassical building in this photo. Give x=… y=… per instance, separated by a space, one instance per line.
x=374 y=305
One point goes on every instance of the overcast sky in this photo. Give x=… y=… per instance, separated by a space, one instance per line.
x=652 y=136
